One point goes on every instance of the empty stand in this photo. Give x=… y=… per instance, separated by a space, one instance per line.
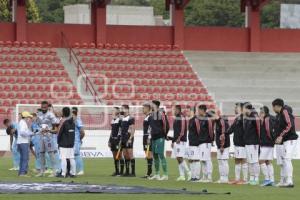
x=137 y=73
x=31 y=72
x=255 y=77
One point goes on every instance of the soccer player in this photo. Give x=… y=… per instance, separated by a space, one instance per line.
x=79 y=135
x=23 y=141
x=114 y=141
x=159 y=128
x=288 y=136
x=127 y=139
x=179 y=143
x=223 y=144
x=206 y=139
x=11 y=130
x=239 y=146
x=48 y=126
x=251 y=138
x=66 y=140
x=194 y=142
x=267 y=135
x=147 y=144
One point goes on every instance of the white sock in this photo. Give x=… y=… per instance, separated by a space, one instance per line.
x=192 y=167
x=238 y=172
x=181 y=169
x=245 y=171
x=72 y=166
x=271 y=171
x=226 y=169
x=264 y=170
x=63 y=167
x=256 y=171
x=209 y=169
x=251 y=171
x=221 y=169
x=288 y=166
x=204 y=170
x=185 y=167
x=282 y=174
x=198 y=169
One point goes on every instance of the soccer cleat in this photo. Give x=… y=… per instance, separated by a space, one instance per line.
x=40 y=175
x=81 y=173
x=24 y=175
x=164 y=178
x=51 y=176
x=72 y=176
x=189 y=176
x=49 y=171
x=221 y=181
x=146 y=176
x=114 y=174
x=14 y=169
x=155 y=177
x=180 y=178
x=241 y=182
x=267 y=183
x=280 y=184
x=234 y=182
x=287 y=185
x=253 y=183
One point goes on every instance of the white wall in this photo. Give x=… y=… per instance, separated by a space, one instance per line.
x=77 y=14
x=290 y=16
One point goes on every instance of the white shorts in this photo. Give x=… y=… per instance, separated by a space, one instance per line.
x=240 y=152
x=266 y=153
x=194 y=153
x=205 y=151
x=179 y=150
x=279 y=154
x=252 y=153
x=66 y=153
x=289 y=148
x=224 y=155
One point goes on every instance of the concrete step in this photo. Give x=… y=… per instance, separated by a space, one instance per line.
x=78 y=82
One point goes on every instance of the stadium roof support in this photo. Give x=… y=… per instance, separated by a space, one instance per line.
x=176 y=8
x=252 y=12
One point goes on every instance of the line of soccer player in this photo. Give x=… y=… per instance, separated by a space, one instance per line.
x=39 y=132
x=255 y=135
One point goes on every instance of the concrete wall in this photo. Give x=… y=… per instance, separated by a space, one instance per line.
x=77 y=14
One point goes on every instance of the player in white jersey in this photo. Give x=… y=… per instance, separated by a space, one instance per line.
x=47 y=122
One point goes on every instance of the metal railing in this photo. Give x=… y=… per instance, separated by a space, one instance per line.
x=80 y=70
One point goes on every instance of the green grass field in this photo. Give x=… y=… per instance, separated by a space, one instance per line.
x=98 y=172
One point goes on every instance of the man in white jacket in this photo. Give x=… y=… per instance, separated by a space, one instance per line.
x=23 y=142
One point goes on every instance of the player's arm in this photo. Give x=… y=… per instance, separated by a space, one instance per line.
x=232 y=127
x=183 y=126
x=287 y=128
x=222 y=136
x=131 y=130
x=11 y=139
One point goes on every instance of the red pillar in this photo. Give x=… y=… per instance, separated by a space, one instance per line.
x=101 y=25
x=21 y=21
x=178 y=25
x=253 y=16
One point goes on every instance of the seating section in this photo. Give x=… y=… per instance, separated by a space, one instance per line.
x=134 y=74
x=30 y=73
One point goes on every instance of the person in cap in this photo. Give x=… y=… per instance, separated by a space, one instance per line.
x=237 y=129
x=286 y=135
x=23 y=141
